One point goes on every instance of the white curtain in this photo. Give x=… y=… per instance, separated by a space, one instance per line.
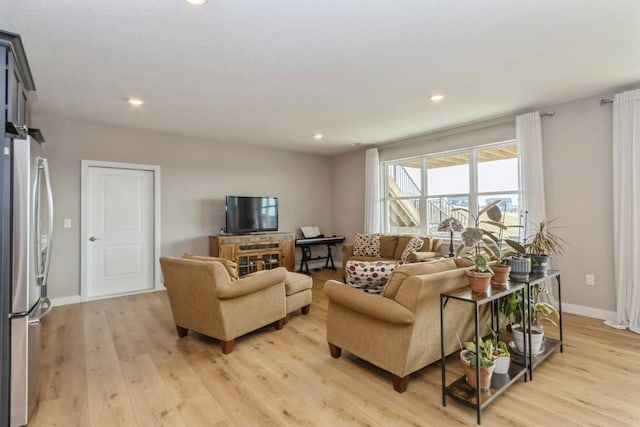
x=626 y=209
x=372 y=191
x=529 y=135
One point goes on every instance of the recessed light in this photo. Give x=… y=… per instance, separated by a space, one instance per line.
x=436 y=98
x=196 y=2
x=318 y=136
x=136 y=102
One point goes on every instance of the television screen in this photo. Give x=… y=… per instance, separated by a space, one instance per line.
x=251 y=214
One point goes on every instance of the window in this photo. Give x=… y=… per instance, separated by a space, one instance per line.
x=421 y=192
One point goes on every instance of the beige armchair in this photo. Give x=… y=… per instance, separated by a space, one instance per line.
x=399 y=331
x=204 y=299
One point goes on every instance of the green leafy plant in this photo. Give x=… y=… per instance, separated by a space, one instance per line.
x=511 y=308
x=479 y=244
x=486 y=349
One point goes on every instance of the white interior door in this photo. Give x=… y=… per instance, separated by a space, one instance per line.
x=119 y=231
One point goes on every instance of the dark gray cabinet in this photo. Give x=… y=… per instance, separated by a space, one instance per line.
x=15 y=83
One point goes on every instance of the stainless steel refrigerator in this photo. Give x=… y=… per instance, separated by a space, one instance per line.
x=31 y=231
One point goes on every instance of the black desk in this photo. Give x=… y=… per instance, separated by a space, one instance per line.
x=305 y=246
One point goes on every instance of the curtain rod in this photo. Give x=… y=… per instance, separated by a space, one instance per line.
x=604 y=101
x=455 y=130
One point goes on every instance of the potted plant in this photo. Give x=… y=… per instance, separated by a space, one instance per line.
x=501 y=354
x=510 y=308
x=479 y=245
x=519 y=261
x=542 y=244
x=469 y=360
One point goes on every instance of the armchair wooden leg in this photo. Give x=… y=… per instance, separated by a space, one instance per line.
x=182 y=332
x=305 y=309
x=335 y=351
x=400 y=383
x=227 y=346
x=280 y=323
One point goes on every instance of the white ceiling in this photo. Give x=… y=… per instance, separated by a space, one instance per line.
x=274 y=72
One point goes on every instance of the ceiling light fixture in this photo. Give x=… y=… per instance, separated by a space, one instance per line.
x=318 y=136
x=136 y=102
x=196 y=2
x=436 y=98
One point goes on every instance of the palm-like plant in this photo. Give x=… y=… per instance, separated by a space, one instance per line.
x=544 y=241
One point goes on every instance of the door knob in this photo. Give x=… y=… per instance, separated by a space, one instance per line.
x=93 y=239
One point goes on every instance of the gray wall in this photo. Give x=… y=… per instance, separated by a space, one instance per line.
x=578 y=184
x=195 y=176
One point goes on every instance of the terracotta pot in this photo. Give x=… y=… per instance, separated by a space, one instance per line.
x=500 y=274
x=470 y=373
x=479 y=282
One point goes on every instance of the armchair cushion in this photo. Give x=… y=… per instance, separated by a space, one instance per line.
x=374 y=306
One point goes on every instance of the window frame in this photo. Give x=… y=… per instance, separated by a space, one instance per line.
x=473 y=195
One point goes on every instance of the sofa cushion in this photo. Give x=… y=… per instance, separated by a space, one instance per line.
x=403 y=271
x=388 y=245
x=412 y=246
x=369 y=276
x=426 y=246
x=402 y=243
x=366 y=245
x=232 y=267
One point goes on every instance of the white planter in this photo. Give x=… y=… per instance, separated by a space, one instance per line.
x=502 y=365
x=537 y=337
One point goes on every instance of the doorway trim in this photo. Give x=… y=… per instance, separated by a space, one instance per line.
x=84 y=209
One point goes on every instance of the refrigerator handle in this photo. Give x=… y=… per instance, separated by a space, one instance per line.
x=47 y=260
x=46 y=303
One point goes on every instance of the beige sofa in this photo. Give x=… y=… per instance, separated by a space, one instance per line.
x=399 y=331
x=391 y=247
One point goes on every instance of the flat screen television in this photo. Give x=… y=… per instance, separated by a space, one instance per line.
x=251 y=214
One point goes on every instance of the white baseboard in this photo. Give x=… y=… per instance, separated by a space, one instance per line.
x=75 y=299
x=596 y=313
x=65 y=300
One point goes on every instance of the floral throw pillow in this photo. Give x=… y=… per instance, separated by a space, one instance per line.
x=366 y=245
x=369 y=276
x=414 y=244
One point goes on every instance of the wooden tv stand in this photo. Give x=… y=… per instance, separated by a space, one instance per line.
x=255 y=252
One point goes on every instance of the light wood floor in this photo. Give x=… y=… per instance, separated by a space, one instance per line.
x=120 y=362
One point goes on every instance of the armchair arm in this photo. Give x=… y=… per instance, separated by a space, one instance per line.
x=255 y=283
x=375 y=306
